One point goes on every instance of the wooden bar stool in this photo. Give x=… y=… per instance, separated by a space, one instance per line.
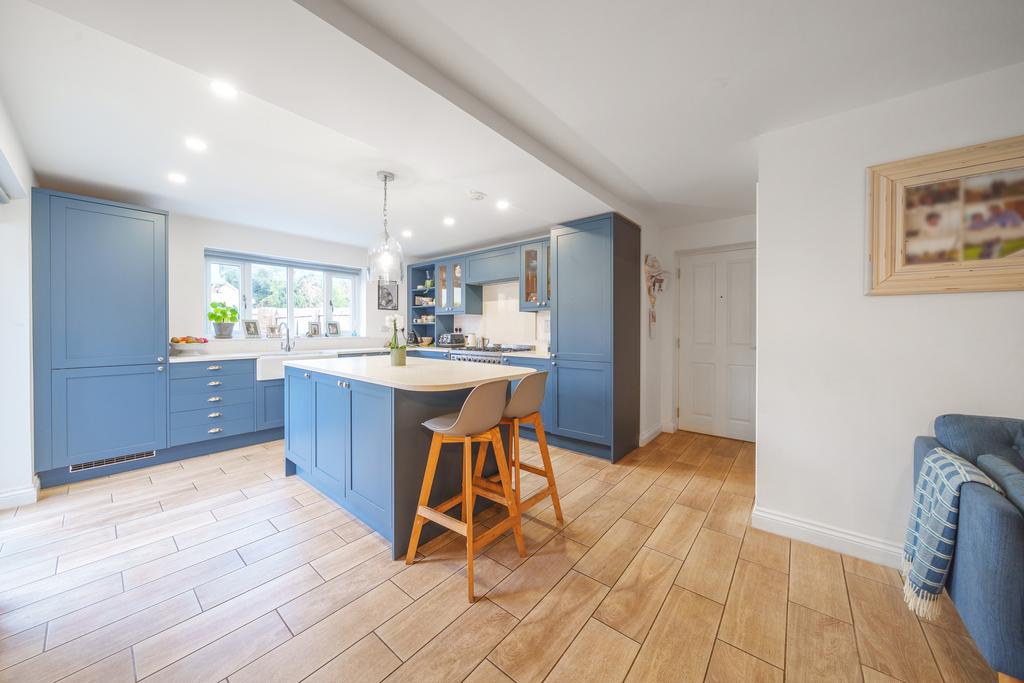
x=477 y=422
x=524 y=406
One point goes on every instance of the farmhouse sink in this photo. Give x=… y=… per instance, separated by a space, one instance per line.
x=271 y=365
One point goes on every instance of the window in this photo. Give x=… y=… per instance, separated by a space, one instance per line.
x=275 y=291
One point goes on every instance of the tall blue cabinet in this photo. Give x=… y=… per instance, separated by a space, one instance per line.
x=99 y=299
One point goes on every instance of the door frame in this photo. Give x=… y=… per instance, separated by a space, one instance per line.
x=678 y=326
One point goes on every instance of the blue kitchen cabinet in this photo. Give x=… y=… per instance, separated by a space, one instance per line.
x=211 y=400
x=493 y=265
x=332 y=429
x=535 y=288
x=300 y=420
x=368 y=487
x=547 y=410
x=454 y=295
x=108 y=284
x=429 y=353
x=269 y=404
x=101 y=413
x=583 y=400
x=583 y=318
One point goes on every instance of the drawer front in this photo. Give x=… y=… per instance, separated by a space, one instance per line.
x=210 y=385
x=184 y=435
x=212 y=416
x=211 y=368
x=182 y=402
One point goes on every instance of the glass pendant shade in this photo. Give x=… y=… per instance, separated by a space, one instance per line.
x=386 y=263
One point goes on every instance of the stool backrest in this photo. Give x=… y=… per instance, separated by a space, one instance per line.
x=481 y=410
x=527 y=396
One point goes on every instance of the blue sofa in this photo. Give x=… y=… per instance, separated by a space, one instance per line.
x=986 y=580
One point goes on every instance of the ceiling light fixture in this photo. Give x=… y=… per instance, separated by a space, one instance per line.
x=386 y=257
x=502 y=204
x=177 y=178
x=449 y=221
x=224 y=89
x=195 y=144
x=407 y=234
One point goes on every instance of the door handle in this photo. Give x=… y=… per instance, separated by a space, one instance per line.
x=214 y=383
x=306 y=375
x=159 y=368
x=554 y=363
x=159 y=359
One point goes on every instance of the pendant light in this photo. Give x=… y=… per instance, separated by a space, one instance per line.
x=386 y=262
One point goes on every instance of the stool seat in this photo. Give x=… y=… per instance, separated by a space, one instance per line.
x=442 y=423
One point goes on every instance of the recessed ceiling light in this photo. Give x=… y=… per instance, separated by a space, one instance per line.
x=195 y=144
x=176 y=178
x=502 y=204
x=407 y=234
x=224 y=89
x=449 y=221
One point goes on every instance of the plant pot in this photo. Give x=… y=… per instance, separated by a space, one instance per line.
x=223 y=330
x=398 y=356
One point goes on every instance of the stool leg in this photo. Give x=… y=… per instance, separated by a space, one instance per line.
x=506 y=486
x=428 y=482
x=467 y=507
x=515 y=459
x=542 y=442
x=481 y=458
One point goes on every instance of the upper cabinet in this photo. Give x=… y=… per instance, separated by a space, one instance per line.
x=534 y=276
x=454 y=294
x=107 y=267
x=493 y=265
x=581 y=264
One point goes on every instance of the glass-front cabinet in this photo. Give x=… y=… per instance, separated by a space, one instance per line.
x=444 y=299
x=458 y=287
x=451 y=286
x=534 y=278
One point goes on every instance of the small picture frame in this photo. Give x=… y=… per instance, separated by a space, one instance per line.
x=252 y=329
x=314 y=330
x=387 y=296
x=333 y=328
x=273 y=331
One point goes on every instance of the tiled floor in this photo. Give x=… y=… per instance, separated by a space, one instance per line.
x=219 y=567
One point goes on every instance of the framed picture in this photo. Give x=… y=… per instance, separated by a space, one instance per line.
x=949 y=222
x=333 y=328
x=314 y=330
x=273 y=331
x=252 y=329
x=387 y=296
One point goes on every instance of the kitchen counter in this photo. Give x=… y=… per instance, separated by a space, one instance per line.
x=419 y=374
x=245 y=355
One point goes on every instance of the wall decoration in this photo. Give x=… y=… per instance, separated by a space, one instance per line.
x=949 y=222
x=656 y=277
x=387 y=296
x=313 y=330
x=252 y=329
x=333 y=328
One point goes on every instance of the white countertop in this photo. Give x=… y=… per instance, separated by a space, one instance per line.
x=204 y=357
x=419 y=374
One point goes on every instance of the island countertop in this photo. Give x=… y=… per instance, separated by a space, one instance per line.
x=419 y=374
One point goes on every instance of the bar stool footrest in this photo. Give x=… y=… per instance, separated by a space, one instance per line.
x=444 y=520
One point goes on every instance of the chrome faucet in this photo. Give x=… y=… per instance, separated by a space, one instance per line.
x=287 y=344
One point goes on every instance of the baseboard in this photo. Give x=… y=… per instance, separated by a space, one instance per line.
x=650 y=435
x=25 y=495
x=833 y=538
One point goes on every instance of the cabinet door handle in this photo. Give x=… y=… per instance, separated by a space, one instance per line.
x=214 y=383
x=343 y=385
x=306 y=375
x=159 y=368
x=554 y=363
x=213 y=415
x=159 y=359
x=213 y=367
x=215 y=430
x=213 y=399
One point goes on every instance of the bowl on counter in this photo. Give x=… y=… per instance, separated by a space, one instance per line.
x=190 y=347
x=426 y=341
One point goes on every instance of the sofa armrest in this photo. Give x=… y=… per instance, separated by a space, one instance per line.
x=986 y=580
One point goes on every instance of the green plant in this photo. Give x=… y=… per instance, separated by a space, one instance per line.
x=222 y=313
x=397 y=340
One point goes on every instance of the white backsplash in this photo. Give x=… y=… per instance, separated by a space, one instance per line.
x=503 y=323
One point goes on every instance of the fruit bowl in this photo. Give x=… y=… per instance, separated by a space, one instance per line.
x=188 y=344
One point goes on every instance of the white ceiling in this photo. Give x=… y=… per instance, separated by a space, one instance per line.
x=660 y=100
x=104 y=105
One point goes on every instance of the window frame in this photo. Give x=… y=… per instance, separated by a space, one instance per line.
x=245 y=262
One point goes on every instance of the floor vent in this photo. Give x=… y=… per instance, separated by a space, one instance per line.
x=111 y=461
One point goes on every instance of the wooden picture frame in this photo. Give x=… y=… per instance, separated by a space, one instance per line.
x=948 y=222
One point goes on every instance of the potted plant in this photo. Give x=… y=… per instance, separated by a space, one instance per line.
x=397 y=342
x=223 y=318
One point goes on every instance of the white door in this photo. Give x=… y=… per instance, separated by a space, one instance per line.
x=717 y=343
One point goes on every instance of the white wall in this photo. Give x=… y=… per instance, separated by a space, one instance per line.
x=189 y=236
x=710 y=235
x=503 y=323
x=845 y=381
x=16 y=468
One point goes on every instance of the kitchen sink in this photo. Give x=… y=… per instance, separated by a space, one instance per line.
x=271 y=365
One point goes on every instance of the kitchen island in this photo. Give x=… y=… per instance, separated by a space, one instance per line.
x=353 y=430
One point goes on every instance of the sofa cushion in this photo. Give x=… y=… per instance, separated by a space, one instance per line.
x=970 y=436
x=1009 y=478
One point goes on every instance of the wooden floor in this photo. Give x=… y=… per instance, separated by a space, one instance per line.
x=219 y=567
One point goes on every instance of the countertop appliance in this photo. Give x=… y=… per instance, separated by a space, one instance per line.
x=451 y=339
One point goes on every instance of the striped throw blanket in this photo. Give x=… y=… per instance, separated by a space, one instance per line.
x=931 y=532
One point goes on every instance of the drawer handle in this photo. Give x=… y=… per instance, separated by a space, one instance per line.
x=213 y=415
x=343 y=385
x=214 y=383
x=215 y=430
x=214 y=367
x=213 y=399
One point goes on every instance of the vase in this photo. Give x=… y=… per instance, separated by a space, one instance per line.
x=223 y=330
x=398 y=356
